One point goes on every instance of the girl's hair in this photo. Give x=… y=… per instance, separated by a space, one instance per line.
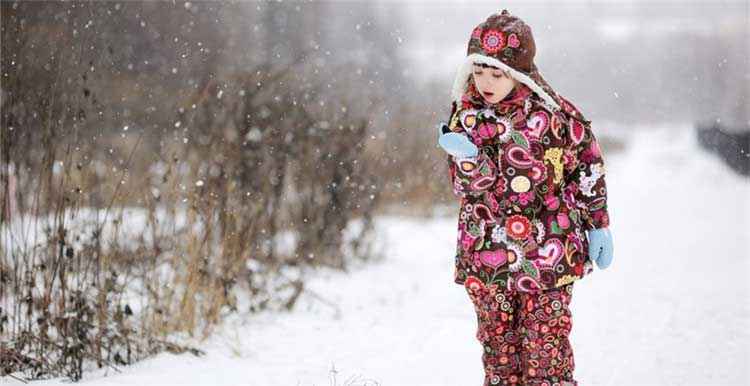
x=485 y=65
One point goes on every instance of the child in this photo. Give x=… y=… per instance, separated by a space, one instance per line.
x=531 y=179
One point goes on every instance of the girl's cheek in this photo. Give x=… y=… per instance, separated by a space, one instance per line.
x=497 y=86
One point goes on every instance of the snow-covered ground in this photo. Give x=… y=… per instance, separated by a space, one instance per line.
x=671 y=309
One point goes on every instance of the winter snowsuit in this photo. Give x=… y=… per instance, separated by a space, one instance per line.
x=527 y=198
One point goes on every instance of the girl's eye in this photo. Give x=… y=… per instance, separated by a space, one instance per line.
x=497 y=76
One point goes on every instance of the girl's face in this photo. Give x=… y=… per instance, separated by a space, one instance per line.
x=494 y=84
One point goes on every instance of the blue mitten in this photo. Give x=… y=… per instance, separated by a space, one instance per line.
x=600 y=247
x=456 y=144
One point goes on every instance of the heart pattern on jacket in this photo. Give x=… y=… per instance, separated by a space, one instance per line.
x=549 y=254
x=493 y=258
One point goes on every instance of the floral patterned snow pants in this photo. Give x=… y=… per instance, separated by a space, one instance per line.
x=525 y=335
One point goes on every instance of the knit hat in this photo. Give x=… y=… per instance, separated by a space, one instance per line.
x=506 y=42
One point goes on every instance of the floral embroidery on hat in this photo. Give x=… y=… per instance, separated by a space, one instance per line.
x=477 y=33
x=513 y=41
x=493 y=41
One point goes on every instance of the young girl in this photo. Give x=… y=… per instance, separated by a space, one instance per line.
x=531 y=179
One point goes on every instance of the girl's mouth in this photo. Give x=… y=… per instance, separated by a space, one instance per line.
x=487 y=93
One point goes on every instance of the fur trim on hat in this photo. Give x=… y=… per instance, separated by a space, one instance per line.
x=459 y=84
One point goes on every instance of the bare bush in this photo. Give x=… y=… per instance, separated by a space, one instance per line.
x=132 y=232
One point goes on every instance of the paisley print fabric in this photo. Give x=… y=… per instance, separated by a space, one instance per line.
x=527 y=198
x=524 y=335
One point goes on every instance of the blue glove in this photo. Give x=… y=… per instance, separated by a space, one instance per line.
x=456 y=144
x=600 y=247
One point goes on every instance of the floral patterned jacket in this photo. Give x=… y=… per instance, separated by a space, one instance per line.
x=530 y=194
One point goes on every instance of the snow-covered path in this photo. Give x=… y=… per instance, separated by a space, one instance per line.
x=671 y=309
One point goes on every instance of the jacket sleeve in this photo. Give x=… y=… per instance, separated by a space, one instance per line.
x=586 y=174
x=472 y=175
